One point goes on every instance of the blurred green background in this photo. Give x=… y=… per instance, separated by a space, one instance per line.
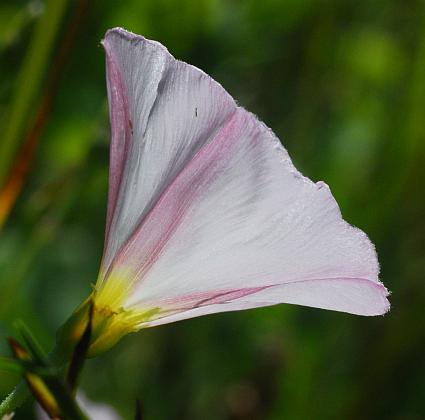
x=342 y=83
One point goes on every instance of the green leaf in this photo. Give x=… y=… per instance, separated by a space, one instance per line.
x=10 y=365
x=37 y=352
x=14 y=399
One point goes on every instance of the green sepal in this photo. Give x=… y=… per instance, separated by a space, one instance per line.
x=80 y=352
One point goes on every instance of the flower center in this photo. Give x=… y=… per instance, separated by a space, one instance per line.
x=110 y=319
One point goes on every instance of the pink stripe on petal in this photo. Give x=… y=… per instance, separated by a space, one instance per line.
x=121 y=126
x=149 y=239
x=174 y=109
x=306 y=293
x=204 y=298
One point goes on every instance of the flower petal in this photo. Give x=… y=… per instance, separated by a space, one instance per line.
x=356 y=296
x=222 y=220
x=162 y=111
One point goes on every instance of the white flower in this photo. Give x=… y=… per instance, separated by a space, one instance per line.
x=206 y=212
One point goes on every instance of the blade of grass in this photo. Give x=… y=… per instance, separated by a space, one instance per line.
x=29 y=80
x=61 y=202
x=16 y=178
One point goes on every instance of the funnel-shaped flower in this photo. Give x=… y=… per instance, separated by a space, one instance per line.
x=206 y=212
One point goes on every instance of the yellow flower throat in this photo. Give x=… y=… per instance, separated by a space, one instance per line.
x=110 y=320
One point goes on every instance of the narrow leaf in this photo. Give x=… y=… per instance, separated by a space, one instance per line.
x=35 y=383
x=32 y=344
x=50 y=392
